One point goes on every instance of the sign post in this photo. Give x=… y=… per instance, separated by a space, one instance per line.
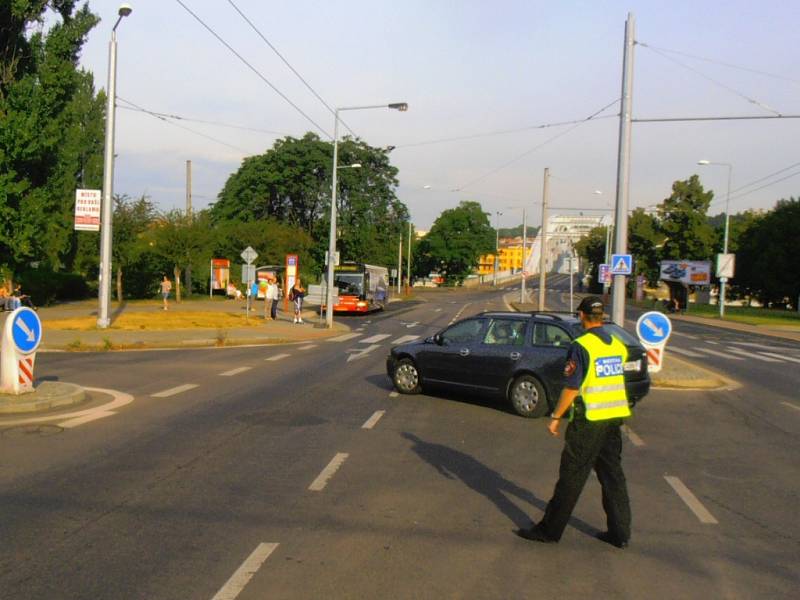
x=292 y=271
x=249 y=255
x=22 y=335
x=654 y=329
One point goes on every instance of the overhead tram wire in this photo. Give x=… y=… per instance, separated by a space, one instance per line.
x=253 y=69
x=719 y=62
x=189 y=129
x=291 y=68
x=771 y=183
x=537 y=147
x=714 y=81
x=739 y=192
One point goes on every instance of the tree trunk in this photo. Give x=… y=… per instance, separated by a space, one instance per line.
x=176 y=272
x=119 y=284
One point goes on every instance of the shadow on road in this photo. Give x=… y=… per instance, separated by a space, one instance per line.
x=454 y=464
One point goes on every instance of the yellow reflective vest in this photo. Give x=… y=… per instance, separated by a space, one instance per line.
x=603 y=387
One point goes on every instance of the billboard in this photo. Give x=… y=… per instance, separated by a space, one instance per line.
x=690 y=272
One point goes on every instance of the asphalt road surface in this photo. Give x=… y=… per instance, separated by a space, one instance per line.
x=296 y=472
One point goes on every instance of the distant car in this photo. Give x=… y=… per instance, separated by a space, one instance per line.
x=515 y=356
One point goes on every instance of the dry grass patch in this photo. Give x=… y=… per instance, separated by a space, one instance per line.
x=159 y=321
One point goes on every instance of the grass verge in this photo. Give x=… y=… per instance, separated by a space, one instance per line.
x=159 y=321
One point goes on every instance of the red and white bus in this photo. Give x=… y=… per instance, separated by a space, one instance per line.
x=362 y=288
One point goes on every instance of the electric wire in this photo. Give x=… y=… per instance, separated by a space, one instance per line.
x=740 y=193
x=747 y=193
x=291 y=68
x=253 y=69
x=722 y=63
x=537 y=147
x=179 y=126
x=714 y=81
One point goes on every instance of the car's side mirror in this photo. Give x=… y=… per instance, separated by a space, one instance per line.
x=438 y=339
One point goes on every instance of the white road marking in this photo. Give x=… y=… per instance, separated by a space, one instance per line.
x=405 y=339
x=322 y=479
x=236 y=371
x=410 y=325
x=751 y=354
x=720 y=354
x=175 y=390
x=686 y=335
x=754 y=345
x=307 y=347
x=277 y=357
x=635 y=439
x=393 y=394
x=781 y=357
x=70 y=423
x=370 y=423
x=790 y=405
x=437 y=310
x=712 y=342
x=362 y=352
x=700 y=511
x=344 y=338
x=683 y=352
x=234 y=586
x=375 y=338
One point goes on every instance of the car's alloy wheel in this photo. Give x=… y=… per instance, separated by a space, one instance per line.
x=527 y=397
x=406 y=377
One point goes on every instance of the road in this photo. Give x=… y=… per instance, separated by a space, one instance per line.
x=296 y=472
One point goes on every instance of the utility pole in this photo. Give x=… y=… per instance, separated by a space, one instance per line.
x=188 y=273
x=399 y=263
x=623 y=171
x=408 y=263
x=543 y=238
x=522 y=295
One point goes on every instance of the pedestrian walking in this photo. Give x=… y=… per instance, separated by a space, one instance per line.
x=296 y=295
x=595 y=396
x=273 y=294
x=166 y=288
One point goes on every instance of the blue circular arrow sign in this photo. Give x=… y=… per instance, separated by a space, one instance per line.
x=653 y=328
x=26 y=330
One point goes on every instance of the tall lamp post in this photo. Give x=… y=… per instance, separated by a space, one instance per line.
x=103 y=320
x=401 y=106
x=723 y=280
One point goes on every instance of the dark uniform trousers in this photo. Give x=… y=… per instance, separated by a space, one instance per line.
x=598 y=445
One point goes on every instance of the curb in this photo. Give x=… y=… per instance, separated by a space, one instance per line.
x=713 y=382
x=48 y=395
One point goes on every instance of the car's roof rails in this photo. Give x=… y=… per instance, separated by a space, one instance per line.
x=545 y=315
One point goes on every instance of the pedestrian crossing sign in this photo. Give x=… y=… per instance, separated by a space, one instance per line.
x=621 y=264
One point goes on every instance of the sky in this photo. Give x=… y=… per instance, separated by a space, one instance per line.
x=465 y=67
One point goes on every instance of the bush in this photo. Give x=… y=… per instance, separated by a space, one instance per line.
x=45 y=286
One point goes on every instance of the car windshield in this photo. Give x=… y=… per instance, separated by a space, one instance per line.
x=349 y=283
x=624 y=336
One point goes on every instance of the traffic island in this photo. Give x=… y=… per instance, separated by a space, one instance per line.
x=47 y=395
x=678 y=374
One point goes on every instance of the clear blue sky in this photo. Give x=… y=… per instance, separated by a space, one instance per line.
x=465 y=67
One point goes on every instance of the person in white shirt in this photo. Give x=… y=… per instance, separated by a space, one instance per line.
x=272 y=298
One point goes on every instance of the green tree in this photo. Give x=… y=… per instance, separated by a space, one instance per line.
x=592 y=248
x=50 y=129
x=683 y=222
x=645 y=239
x=766 y=262
x=132 y=218
x=455 y=242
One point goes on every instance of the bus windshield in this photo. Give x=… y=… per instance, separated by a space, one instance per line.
x=351 y=284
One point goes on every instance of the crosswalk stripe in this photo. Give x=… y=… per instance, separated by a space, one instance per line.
x=375 y=338
x=791 y=358
x=236 y=371
x=307 y=347
x=751 y=354
x=405 y=339
x=720 y=354
x=683 y=352
x=344 y=338
x=278 y=357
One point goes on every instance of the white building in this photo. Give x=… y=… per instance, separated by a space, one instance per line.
x=562 y=232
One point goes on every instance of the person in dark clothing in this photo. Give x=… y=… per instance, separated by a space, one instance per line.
x=595 y=396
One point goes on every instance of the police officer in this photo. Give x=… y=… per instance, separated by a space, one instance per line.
x=595 y=396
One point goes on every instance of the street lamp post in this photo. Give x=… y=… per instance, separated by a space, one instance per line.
x=103 y=320
x=402 y=107
x=723 y=280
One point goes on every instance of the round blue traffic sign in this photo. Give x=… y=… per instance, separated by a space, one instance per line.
x=26 y=330
x=653 y=328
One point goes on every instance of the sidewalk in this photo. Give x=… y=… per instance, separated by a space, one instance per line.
x=780 y=331
x=256 y=332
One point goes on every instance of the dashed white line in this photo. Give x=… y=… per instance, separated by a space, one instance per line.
x=405 y=339
x=245 y=572
x=686 y=335
x=69 y=424
x=175 y=390
x=635 y=439
x=683 y=352
x=720 y=354
x=307 y=347
x=752 y=354
x=700 y=511
x=790 y=405
x=322 y=479
x=375 y=338
x=370 y=423
x=343 y=338
x=277 y=357
x=236 y=371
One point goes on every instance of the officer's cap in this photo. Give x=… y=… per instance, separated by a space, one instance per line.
x=591 y=305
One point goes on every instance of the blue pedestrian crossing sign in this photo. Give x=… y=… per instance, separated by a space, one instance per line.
x=654 y=328
x=621 y=264
x=26 y=330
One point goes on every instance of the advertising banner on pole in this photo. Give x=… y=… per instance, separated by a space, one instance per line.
x=220 y=273
x=87 y=209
